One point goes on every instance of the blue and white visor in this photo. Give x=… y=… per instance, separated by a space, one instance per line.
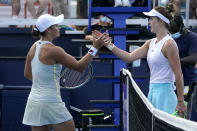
x=153 y=12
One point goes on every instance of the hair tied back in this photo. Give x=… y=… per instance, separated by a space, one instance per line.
x=35 y=29
x=170 y=7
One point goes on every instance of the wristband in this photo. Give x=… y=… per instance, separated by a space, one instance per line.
x=92 y=51
x=110 y=46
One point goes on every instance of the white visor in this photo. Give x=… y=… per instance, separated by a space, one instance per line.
x=46 y=20
x=153 y=12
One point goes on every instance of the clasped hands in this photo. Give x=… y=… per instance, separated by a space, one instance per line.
x=101 y=39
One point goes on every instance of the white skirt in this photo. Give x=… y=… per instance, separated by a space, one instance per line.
x=43 y=113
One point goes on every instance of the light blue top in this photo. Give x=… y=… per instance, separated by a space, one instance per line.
x=46 y=78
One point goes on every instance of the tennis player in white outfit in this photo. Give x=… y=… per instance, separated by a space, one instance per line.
x=45 y=108
x=163 y=60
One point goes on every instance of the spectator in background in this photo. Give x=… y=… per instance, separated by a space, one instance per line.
x=103 y=23
x=125 y=3
x=82 y=8
x=187 y=45
x=31 y=7
x=193 y=9
x=164 y=2
x=60 y=7
x=139 y=3
x=103 y=3
x=16 y=7
x=177 y=5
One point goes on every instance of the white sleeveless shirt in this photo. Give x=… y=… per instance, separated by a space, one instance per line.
x=45 y=83
x=160 y=70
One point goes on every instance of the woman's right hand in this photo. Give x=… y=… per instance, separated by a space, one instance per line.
x=181 y=108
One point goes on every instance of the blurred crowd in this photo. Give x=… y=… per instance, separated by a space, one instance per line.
x=58 y=7
x=181 y=5
x=62 y=6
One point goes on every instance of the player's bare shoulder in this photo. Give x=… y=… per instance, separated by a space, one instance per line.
x=55 y=51
x=170 y=44
x=48 y=49
x=169 y=48
x=147 y=43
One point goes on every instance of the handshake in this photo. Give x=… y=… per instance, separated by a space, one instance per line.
x=100 y=39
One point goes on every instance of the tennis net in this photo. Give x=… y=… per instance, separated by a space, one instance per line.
x=138 y=114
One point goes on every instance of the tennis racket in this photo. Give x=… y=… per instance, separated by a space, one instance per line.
x=177 y=114
x=72 y=79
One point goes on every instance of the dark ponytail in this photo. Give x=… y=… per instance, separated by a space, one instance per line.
x=36 y=33
x=170 y=8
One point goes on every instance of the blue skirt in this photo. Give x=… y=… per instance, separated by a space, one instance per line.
x=163 y=97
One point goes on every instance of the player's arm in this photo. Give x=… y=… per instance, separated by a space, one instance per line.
x=170 y=50
x=59 y=55
x=29 y=57
x=27 y=70
x=140 y=52
x=189 y=60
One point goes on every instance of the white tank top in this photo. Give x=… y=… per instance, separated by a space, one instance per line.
x=160 y=70
x=45 y=83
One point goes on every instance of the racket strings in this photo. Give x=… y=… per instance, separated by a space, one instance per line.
x=77 y=80
x=73 y=79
